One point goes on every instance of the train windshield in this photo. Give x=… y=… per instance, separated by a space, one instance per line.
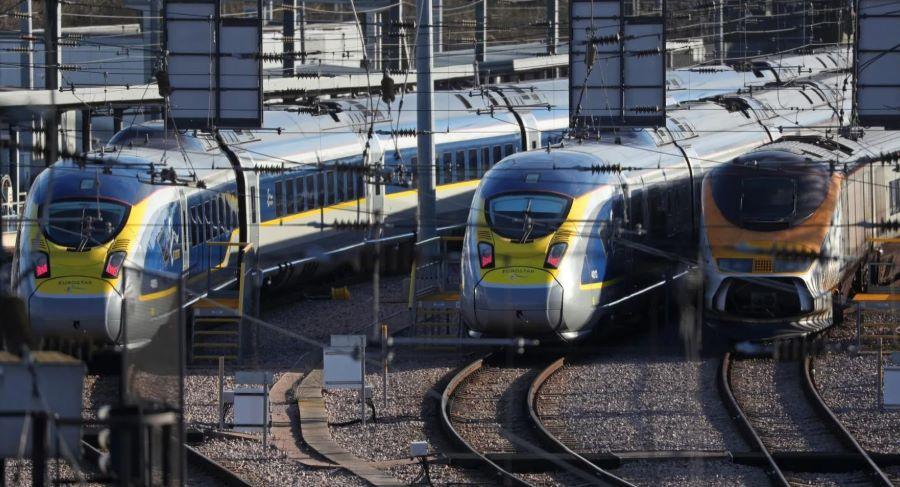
x=526 y=216
x=768 y=199
x=82 y=224
x=769 y=190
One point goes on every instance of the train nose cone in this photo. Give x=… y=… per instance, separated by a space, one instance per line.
x=519 y=309
x=95 y=316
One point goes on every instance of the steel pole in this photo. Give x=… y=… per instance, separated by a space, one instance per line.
x=52 y=28
x=721 y=11
x=426 y=224
x=302 y=21
x=552 y=26
x=438 y=15
x=27 y=58
x=480 y=31
x=288 y=23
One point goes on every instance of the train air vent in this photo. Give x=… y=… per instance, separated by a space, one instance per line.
x=121 y=245
x=762 y=265
x=562 y=236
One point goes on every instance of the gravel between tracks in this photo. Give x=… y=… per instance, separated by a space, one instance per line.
x=848 y=384
x=246 y=458
x=630 y=401
x=771 y=394
x=690 y=474
x=488 y=411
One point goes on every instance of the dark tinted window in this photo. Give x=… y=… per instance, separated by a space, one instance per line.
x=207 y=220
x=485 y=160
x=526 y=216
x=289 y=195
x=300 y=202
x=82 y=223
x=320 y=188
x=341 y=185
x=447 y=167
x=498 y=154
x=310 y=192
x=460 y=166
x=473 y=164
x=508 y=150
x=769 y=190
x=279 y=198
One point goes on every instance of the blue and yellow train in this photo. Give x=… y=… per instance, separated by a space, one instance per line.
x=155 y=205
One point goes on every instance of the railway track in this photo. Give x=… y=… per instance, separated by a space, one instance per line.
x=780 y=412
x=487 y=410
x=223 y=475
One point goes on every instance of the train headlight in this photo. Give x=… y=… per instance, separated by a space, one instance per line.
x=791 y=265
x=555 y=255
x=113 y=265
x=41 y=265
x=735 y=265
x=486 y=255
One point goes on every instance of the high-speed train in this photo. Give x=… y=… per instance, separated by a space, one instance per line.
x=789 y=227
x=558 y=239
x=162 y=203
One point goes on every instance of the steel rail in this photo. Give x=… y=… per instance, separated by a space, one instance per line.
x=843 y=434
x=507 y=477
x=551 y=442
x=221 y=472
x=776 y=476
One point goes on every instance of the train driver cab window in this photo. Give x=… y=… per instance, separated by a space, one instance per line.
x=473 y=164
x=523 y=217
x=82 y=224
x=779 y=203
x=498 y=154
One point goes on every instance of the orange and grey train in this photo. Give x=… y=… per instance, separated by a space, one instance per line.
x=788 y=230
x=560 y=240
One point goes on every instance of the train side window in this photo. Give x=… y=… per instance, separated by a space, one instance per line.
x=216 y=216
x=351 y=186
x=341 y=186
x=448 y=167
x=473 y=164
x=195 y=226
x=310 y=192
x=279 y=198
x=289 y=196
x=460 y=166
x=253 y=203
x=226 y=215
x=207 y=220
x=498 y=154
x=320 y=188
x=508 y=150
x=414 y=168
x=895 y=196
x=298 y=195
x=534 y=144
x=485 y=160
